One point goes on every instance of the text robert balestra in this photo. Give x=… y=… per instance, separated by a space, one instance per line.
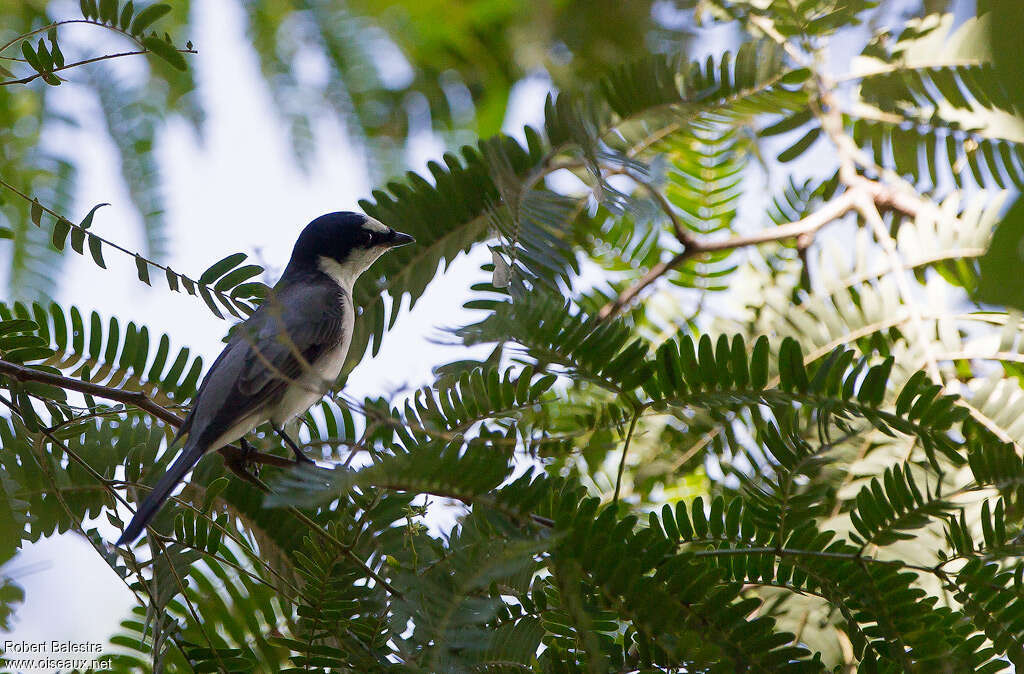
x=52 y=646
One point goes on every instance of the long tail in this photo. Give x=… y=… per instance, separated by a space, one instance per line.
x=151 y=504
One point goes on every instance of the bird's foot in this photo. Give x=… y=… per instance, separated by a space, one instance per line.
x=247 y=458
x=301 y=459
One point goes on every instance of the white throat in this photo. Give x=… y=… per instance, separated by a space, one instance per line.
x=346 y=273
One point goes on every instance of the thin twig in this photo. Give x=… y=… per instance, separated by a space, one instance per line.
x=824 y=554
x=29 y=78
x=830 y=212
x=682 y=234
x=91 y=22
x=625 y=451
x=869 y=211
x=902 y=66
x=766 y=26
x=137 y=399
x=653 y=274
x=346 y=550
x=869 y=195
x=187 y=281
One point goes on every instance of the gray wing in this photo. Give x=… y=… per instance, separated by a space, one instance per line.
x=273 y=348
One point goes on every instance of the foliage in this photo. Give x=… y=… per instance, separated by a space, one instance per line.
x=389 y=67
x=703 y=439
x=35 y=52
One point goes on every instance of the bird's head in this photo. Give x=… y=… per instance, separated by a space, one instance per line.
x=343 y=245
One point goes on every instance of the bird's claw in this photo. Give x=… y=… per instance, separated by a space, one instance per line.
x=300 y=457
x=302 y=460
x=248 y=452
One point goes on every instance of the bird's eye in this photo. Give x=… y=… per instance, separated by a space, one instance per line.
x=367 y=238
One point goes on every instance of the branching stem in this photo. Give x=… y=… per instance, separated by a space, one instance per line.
x=29 y=78
x=830 y=212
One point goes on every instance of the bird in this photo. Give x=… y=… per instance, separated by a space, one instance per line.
x=286 y=355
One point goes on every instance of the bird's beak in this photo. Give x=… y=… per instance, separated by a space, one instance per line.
x=400 y=239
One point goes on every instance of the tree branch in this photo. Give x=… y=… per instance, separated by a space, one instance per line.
x=627 y=295
x=868 y=209
x=862 y=194
x=682 y=234
x=767 y=26
x=870 y=196
x=802 y=228
x=234 y=457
